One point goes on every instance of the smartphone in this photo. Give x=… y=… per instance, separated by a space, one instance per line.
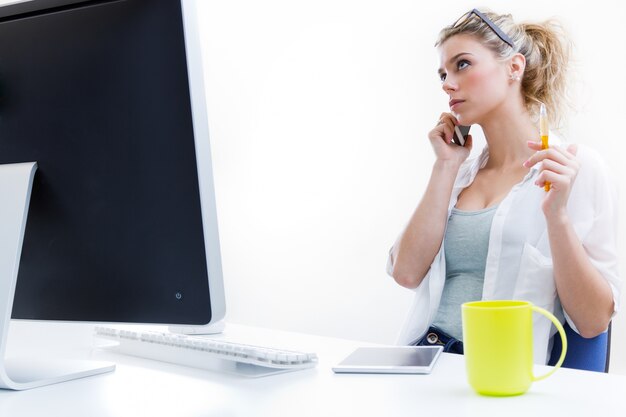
x=460 y=134
x=390 y=360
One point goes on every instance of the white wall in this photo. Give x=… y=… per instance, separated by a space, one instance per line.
x=318 y=113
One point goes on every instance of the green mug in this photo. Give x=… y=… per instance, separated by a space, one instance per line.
x=498 y=346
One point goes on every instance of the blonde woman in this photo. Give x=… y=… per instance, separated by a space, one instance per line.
x=485 y=227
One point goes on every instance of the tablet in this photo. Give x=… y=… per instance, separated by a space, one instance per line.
x=391 y=360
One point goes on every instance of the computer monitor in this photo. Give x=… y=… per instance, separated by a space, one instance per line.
x=108 y=98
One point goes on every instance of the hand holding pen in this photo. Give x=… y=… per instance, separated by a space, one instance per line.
x=559 y=168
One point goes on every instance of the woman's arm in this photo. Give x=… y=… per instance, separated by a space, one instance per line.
x=420 y=241
x=584 y=293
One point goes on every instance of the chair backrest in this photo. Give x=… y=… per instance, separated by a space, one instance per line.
x=586 y=354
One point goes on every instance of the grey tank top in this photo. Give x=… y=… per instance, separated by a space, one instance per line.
x=465 y=245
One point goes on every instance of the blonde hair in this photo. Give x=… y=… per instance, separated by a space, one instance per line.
x=547 y=50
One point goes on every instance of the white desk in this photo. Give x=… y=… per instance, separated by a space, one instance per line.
x=140 y=387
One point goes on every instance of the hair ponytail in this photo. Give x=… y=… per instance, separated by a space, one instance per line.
x=547 y=52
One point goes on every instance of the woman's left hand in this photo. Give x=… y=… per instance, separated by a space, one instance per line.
x=559 y=167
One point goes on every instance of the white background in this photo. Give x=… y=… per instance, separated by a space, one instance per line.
x=318 y=112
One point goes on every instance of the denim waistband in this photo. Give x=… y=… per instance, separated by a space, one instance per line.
x=437 y=337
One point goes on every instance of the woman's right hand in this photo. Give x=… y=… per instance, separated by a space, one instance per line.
x=441 y=141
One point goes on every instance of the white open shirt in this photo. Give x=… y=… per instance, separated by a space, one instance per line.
x=519 y=261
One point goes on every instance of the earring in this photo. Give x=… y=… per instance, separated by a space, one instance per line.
x=515 y=77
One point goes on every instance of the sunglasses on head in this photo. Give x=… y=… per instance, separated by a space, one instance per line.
x=505 y=38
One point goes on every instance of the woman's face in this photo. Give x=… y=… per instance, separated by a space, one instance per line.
x=475 y=82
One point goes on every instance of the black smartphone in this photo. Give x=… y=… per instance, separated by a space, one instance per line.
x=460 y=134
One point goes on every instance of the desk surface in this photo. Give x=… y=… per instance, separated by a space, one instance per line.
x=141 y=387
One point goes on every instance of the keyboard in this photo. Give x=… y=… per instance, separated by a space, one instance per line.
x=206 y=353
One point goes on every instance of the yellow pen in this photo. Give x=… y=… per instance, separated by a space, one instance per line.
x=543 y=131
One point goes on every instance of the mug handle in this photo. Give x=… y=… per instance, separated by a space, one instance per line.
x=563 y=339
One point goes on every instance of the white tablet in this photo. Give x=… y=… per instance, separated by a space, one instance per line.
x=391 y=360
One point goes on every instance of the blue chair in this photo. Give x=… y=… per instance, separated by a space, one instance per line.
x=586 y=354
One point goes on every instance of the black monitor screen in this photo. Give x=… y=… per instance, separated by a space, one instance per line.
x=97 y=93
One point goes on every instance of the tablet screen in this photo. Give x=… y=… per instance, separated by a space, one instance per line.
x=394 y=359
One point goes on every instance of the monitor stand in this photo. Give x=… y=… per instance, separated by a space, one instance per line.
x=16 y=182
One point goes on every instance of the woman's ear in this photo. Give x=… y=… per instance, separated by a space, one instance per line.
x=517 y=65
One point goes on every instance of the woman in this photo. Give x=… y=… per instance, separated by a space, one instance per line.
x=485 y=227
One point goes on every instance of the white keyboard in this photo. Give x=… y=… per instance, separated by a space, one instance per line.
x=206 y=353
